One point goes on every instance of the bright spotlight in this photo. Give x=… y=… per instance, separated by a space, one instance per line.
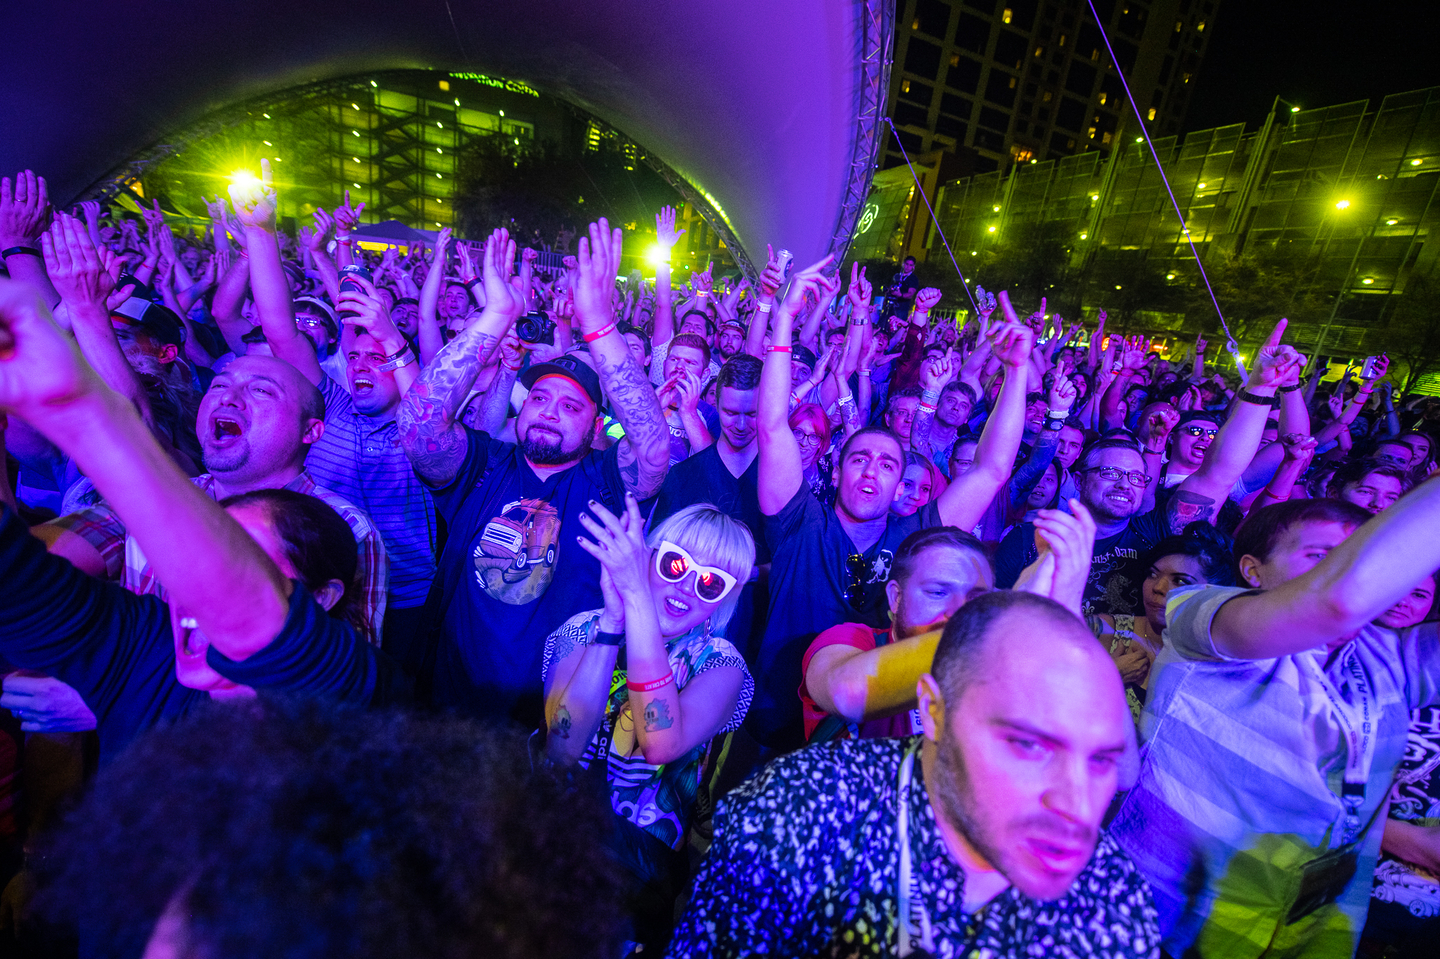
x=657 y=255
x=1342 y=205
x=1294 y=109
x=243 y=178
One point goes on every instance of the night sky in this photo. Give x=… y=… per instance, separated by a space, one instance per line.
x=1313 y=54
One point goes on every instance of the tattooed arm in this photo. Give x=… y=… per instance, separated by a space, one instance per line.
x=429 y=416
x=644 y=453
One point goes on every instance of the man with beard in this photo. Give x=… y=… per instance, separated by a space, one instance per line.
x=831 y=565
x=512 y=570
x=1112 y=476
x=981 y=836
x=358 y=455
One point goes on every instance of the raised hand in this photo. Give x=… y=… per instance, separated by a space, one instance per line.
x=1382 y=366
x=347 y=217
x=79 y=272
x=1201 y=344
x=703 y=282
x=324 y=229
x=1070 y=538
x=497 y=263
x=255 y=201
x=926 y=299
x=1299 y=447
x=985 y=304
x=369 y=313
x=1276 y=364
x=802 y=284
x=24 y=209
x=218 y=209
x=1011 y=341
x=860 y=290
x=1156 y=425
x=1062 y=390
x=154 y=216
x=665 y=233
x=771 y=278
x=619 y=545
x=41 y=369
x=598 y=264
x=939 y=371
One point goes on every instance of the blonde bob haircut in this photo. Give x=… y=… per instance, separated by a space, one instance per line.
x=713 y=539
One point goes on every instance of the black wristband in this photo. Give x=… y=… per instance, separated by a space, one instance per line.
x=606 y=639
x=1291 y=389
x=1246 y=396
x=25 y=250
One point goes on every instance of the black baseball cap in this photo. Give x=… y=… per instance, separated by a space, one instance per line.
x=157 y=320
x=572 y=368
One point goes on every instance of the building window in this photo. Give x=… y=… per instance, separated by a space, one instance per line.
x=1103 y=95
x=1007 y=15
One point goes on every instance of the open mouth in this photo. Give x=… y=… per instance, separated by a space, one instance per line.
x=188 y=627
x=363 y=384
x=675 y=607
x=867 y=489
x=225 y=428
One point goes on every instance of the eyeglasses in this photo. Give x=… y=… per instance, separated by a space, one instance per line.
x=673 y=564
x=1192 y=430
x=858 y=567
x=806 y=439
x=1113 y=474
x=309 y=322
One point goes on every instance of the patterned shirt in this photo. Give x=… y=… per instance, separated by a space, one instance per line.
x=103 y=529
x=1414 y=798
x=360 y=458
x=658 y=799
x=805 y=862
x=1243 y=772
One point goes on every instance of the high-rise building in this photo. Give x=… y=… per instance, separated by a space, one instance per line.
x=997 y=82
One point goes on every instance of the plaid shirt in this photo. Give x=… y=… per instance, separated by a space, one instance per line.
x=103 y=529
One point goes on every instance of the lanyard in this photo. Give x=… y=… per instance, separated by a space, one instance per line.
x=1356 y=719
x=914 y=939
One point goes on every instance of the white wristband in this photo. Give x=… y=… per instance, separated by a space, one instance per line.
x=763 y=307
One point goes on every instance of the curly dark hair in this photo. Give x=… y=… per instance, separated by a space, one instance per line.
x=284 y=827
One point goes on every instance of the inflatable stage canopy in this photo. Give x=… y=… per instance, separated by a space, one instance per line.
x=767 y=111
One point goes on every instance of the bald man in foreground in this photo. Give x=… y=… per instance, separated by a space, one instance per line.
x=981 y=834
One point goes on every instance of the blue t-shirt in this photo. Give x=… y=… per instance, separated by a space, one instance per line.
x=512 y=573
x=810 y=574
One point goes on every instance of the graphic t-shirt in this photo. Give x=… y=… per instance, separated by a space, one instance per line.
x=1414 y=798
x=811 y=571
x=1116 y=572
x=512 y=572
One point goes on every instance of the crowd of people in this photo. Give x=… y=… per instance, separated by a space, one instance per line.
x=429 y=600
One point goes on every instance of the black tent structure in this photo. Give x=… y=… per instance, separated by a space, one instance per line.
x=767 y=115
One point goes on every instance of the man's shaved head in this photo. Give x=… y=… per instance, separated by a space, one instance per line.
x=1031 y=736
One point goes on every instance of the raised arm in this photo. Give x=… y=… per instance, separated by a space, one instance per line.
x=666 y=236
x=767 y=287
x=427 y=324
x=968 y=496
x=213 y=570
x=1358 y=580
x=644 y=453
x=83 y=280
x=1201 y=494
x=255 y=205
x=781 y=469
x=24 y=216
x=428 y=417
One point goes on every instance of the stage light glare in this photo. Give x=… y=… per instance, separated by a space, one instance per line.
x=243 y=178
x=1342 y=205
x=657 y=255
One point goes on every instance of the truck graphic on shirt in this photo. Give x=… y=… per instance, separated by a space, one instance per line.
x=515 y=554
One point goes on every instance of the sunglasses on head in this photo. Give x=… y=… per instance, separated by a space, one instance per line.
x=673 y=564
x=1194 y=430
x=858 y=568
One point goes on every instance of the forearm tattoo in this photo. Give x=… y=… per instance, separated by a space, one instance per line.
x=647 y=437
x=428 y=417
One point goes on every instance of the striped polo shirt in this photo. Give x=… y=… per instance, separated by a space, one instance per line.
x=360 y=458
x=1242 y=776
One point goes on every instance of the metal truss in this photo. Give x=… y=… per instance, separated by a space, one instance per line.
x=877 y=40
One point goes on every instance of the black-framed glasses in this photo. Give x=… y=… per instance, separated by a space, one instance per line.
x=1114 y=474
x=806 y=439
x=857 y=567
x=1191 y=429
